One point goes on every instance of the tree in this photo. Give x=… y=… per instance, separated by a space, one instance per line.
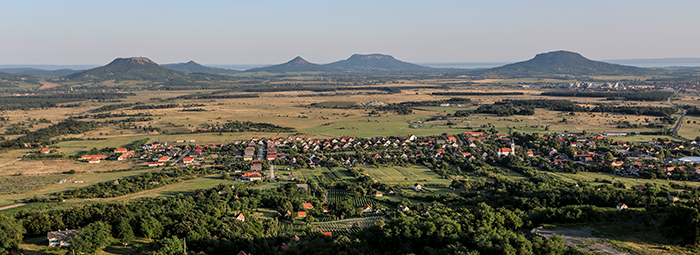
x=37 y=223
x=124 y=231
x=94 y=236
x=151 y=227
x=609 y=156
x=172 y=245
x=11 y=232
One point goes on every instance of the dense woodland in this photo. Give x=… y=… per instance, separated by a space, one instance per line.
x=628 y=95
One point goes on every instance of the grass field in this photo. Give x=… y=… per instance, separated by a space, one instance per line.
x=405 y=175
x=86 y=178
x=22 y=184
x=690 y=130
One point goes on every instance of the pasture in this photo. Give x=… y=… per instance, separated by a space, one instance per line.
x=405 y=175
x=83 y=179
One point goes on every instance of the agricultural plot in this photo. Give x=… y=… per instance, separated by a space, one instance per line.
x=74 y=181
x=22 y=184
x=346 y=226
x=341 y=196
x=405 y=175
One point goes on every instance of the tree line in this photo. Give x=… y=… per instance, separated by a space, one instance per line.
x=628 y=95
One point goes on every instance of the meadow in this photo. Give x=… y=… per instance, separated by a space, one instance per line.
x=405 y=175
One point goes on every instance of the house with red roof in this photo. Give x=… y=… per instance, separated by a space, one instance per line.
x=503 y=152
x=251 y=176
x=156 y=163
x=308 y=206
x=187 y=160
x=120 y=150
x=301 y=214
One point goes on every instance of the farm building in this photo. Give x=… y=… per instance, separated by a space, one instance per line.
x=60 y=238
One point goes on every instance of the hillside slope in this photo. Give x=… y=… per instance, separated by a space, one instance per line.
x=138 y=69
x=297 y=64
x=376 y=62
x=562 y=62
x=194 y=67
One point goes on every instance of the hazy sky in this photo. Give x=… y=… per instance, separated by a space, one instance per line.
x=254 y=32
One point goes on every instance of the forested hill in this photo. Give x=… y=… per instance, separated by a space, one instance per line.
x=10 y=80
x=297 y=64
x=376 y=62
x=562 y=62
x=39 y=72
x=138 y=69
x=194 y=67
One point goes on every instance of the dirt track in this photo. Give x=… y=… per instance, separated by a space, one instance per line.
x=11 y=206
x=580 y=237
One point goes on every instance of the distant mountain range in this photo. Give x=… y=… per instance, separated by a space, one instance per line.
x=376 y=62
x=356 y=63
x=194 y=67
x=297 y=64
x=138 y=69
x=561 y=62
x=39 y=72
x=143 y=69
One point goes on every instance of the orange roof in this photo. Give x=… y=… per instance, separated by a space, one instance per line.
x=505 y=150
x=308 y=206
x=328 y=234
x=163 y=158
x=252 y=174
x=301 y=214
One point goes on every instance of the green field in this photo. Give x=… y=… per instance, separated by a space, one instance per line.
x=86 y=178
x=22 y=184
x=405 y=175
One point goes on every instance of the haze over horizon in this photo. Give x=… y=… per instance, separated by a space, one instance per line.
x=222 y=32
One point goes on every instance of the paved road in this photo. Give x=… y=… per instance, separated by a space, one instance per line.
x=680 y=120
x=272 y=172
x=183 y=155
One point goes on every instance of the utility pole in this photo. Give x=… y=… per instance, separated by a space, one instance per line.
x=184 y=240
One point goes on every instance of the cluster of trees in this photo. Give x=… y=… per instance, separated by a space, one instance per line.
x=692 y=110
x=245 y=126
x=216 y=96
x=505 y=109
x=163 y=106
x=637 y=110
x=628 y=95
x=555 y=105
x=52 y=100
x=112 y=107
x=43 y=136
x=477 y=93
x=526 y=107
x=134 y=184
